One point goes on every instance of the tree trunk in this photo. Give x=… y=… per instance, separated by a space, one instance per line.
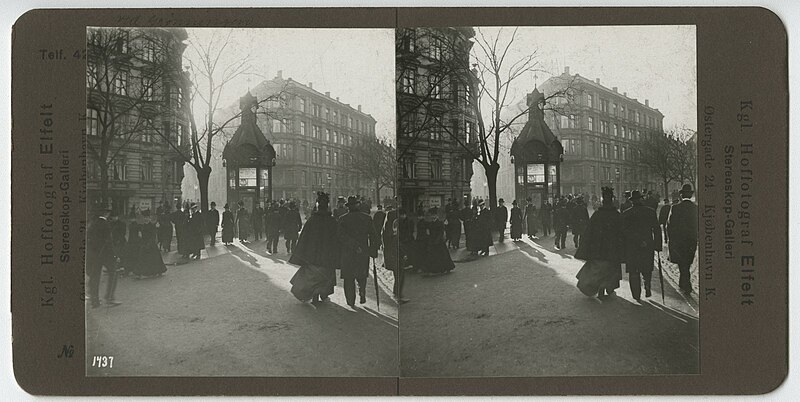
x=491 y=181
x=377 y=192
x=104 y=185
x=203 y=174
x=666 y=188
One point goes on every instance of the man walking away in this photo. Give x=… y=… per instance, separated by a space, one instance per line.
x=642 y=236
x=560 y=220
x=99 y=254
x=580 y=218
x=291 y=226
x=547 y=218
x=258 y=221
x=358 y=242
x=682 y=228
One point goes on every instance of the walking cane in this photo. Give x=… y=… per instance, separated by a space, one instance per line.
x=375 y=280
x=661 y=277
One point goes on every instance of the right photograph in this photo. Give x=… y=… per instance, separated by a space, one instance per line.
x=548 y=213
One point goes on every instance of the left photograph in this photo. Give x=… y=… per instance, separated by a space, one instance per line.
x=241 y=188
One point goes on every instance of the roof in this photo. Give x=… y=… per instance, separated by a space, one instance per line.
x=536 y=137
x=248 y=134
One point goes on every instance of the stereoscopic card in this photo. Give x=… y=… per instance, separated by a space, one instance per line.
x=400 y=201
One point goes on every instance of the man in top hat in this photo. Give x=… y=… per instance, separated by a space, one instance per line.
x=641 y=236
x=99 y=254
x=682 y=229
x=359 y=242
x=500 y=219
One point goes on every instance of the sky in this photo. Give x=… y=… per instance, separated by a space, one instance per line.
x=655 y=62
x=356 y=65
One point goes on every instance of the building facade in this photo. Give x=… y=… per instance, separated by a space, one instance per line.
x=435 y=117
x=313 y=135
x=136 y=117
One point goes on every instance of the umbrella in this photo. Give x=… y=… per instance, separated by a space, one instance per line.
x=375 y=280
x=661 y=276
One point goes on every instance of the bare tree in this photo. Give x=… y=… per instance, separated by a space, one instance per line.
x=211 y=69
x=654 y=150
x=684 y=154
x=128 y=71
x=375 y=160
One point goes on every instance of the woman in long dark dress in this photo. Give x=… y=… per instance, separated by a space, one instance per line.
x=228 y=225
x=431 y=236
x=148 y=262
x=317 y=254
x=468 y=217
x=601 y=248
x=517 y=223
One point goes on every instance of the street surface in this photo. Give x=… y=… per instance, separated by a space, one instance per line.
x=231 y=314
x=519 y=313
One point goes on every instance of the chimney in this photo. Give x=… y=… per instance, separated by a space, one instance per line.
x=311 y=85
x=625 y=94
x=280 y=74
x=566 y=70
x=597 y=80
x=615 y=89
x=328 y=94
x=337 y=99
x=647 y=102
x=359 y=108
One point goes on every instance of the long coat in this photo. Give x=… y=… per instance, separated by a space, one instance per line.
x=531 y=221
x=682 y=230
x=358 y=241
x=602 y=249
x=580 y=218
x=318 y=243
x=291 y=224
x=195 y=229
x=228 y=225
x=500 y=217
x=642 y=236
x=212 y=221
x=517 y=223
x=483 y=229
x=453 y=226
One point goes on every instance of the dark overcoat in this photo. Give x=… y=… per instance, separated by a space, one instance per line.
x=500 y=217
x=228 y=225
x=358 y=241
x=195 y=229
x=318 y=244
x=682 y=230
x=580 y=218
x=603 y=238
x=517 y=223
x=483 y=229
x=431 y=239
x=212 y=221
x=663 y=214
x=453 y=224
x=292 y=224
x=642 y=236
x=531 y=219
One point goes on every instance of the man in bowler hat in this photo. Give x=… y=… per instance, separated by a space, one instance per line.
x=641 y=236
x=682 y=229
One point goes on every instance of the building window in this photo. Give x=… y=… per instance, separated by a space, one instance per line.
x=350 y=122
x=303 y=128
x=276 y=126
x=335 y=137
x=592 y=148
x=149 y=53
x=436 y=167
x=614 y=109
x=335 y=117
x=592 y=173
x=603 y=126
x=409 y=168
x=616 y=130
x=622 y=111
x=616 y=151
x=591 y=124
x=92 y=122
x=624 y=153
x=604 y=150
x=120 y=84
x=564 y=122
x=336 y=158
x=590 y=100
x=327 y=156
x=637 y=118
x=604 y=105
x=147 y=169
x=118 y=169
x=409 y=40
x=327 y=114
x=572 y=120
x=303 y=153
x=623 y=132
x=315 y=109
x=328 y=134
x=315 y=155
x=303 y=105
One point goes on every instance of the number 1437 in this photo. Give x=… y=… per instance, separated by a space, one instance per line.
x=103 y=361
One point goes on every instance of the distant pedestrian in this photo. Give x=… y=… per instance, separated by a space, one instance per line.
x=517 y=223
x=431 y=237
x=228 y=225
x=642 y=236
x=378 y=218
x=291 y=226
x=500 y=219
x=272 y=224
x=258 y=222
x=453 y=224
x=560 y=223
x=212 y=223
x=580 y=218
x=531 y=219
x=483 y=228
x=467 y=217
x=601 y=247
x=663 y=216
x=359 y=243
x=682 y=228
x=164 y=229
x=244 y=223
x=546 y=215
x=180 y=218
x=196 y=228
